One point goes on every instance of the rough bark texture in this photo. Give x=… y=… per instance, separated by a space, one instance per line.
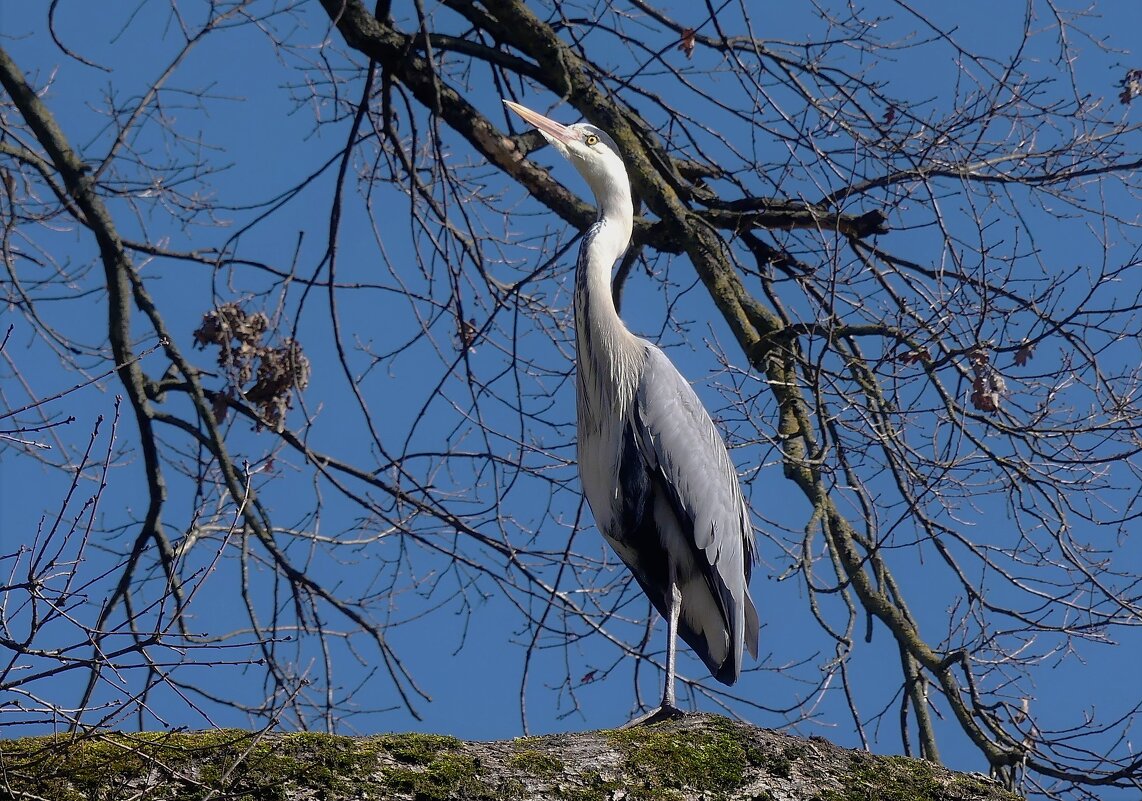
x=698 y=757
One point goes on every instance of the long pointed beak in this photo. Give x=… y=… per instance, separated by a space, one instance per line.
x=550 y=128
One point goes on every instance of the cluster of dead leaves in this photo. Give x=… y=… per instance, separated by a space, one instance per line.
x=244 y=357
x=988 y=386
x=1131 y=86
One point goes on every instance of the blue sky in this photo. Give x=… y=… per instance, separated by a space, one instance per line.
x=259 y=125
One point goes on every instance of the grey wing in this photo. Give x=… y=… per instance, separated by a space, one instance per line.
x=685 y=453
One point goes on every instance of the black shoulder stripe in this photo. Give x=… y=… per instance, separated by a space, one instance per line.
x=634 y=486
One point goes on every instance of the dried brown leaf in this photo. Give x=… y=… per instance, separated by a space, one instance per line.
x=686 y=44
x=1023 y=355
x=1131 y=86
x=468 y=332
x=915 y=356
x=218 y=407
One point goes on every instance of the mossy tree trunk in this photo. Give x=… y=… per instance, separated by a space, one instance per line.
x=698 y=757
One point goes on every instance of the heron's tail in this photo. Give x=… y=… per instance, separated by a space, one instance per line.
x=718 y=632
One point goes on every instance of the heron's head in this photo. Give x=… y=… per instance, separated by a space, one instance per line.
x=593 y=153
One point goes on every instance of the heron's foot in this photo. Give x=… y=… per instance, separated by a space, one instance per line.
x=664 y=712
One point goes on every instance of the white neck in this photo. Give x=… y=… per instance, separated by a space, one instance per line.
x=604 y=244
x=606 y=351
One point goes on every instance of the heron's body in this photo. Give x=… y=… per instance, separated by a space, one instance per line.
x=654 y=470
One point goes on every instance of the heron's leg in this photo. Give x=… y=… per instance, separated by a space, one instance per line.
x=668 y=710
x=671 y=643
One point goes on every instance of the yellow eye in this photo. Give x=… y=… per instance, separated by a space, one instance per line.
x=591 y=140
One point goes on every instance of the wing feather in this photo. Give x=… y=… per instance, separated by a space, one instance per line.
x=689 y=465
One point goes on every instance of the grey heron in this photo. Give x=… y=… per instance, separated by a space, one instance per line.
x=653 y=467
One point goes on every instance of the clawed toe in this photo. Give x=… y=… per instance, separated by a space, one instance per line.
x=664 y=712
